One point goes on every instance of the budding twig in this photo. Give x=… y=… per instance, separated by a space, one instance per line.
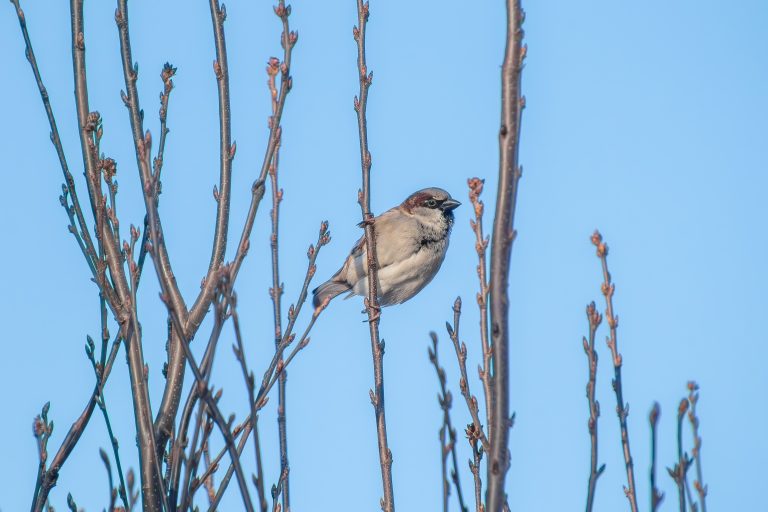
x=622 y=409
x=447 y=433
x=594 y=318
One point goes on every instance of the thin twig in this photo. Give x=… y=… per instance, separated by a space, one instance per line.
x=278 y=365
x=474 y=465
x=372 y=300
x=461 y=355
x=622 y=409
x=698 y=483
x=200 y=306
x=239 y=350
x=177 y=448
x=594 y=319
x=151 y=475
x=110 y=479
x=210 y=487
x=481 y=245
x=656 y=495
x=47 y=478
x=101 y=372
x=680 y=469
x=80 y=231
x=276 y=290
x=501 y=251
x=221 y=423
x=447 y=433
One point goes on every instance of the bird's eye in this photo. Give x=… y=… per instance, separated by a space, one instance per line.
x=431 y=203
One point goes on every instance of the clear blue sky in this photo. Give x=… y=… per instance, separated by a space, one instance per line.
x=647 y=120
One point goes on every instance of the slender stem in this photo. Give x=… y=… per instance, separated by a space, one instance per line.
x=474 y=467
x=622 y=409
x=113 y=441
x=372 y=301
x=594 y=319
x=239 y=349
x=226 y=147
x=177 y=449
x=261 y=400
x=447 y=433
x=481 y=246
x=149 y=182
x=221 y=423
x=81 y=231
x=501 y=252
x=461 y=355
x=698 y=483
x=276 y=290
x=210 y=487
x=681 y=467
x=200 y=306
x=653 y=419
x=47 y=479
x=193 y=461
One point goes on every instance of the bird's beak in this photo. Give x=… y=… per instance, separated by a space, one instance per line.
x=450 y=204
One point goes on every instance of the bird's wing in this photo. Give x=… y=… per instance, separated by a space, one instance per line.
x=395 y=241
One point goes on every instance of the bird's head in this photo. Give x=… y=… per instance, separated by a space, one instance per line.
x=431 y=204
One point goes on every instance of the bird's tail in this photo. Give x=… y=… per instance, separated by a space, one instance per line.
x=328 y=290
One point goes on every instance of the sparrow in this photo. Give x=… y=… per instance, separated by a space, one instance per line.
x=411 y=242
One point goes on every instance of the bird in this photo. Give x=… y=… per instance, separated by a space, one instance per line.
x=411 y=242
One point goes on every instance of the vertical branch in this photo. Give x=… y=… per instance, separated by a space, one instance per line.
x=276 y=290
x=372 y=301
x=239 y=350
x=698 y=483
x=481 y=245
x=678 y=473
x=474 y=431
x=461 y=355
x=474 y=466
x=447 y=432
x=622 y=409
x=653 y=419
x=227 y=149
x=501 y=250
x=181 y=442
x=594 y=319
x=211 y=403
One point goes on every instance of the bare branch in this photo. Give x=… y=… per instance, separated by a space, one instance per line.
x=698 y=483
x=181 y=441
x=47 y=478
x=239 y=350
x=474 y=465
x=278 y=365
x=622 y=409
x=221 y=423
x=680 y=471
x=447 y=433
x=79 y=230
x=288 y=40
x=501 y=251
x=372 y=301
x=594 y=318
x=656 y=496
x=481 y=245
x=461 y=355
